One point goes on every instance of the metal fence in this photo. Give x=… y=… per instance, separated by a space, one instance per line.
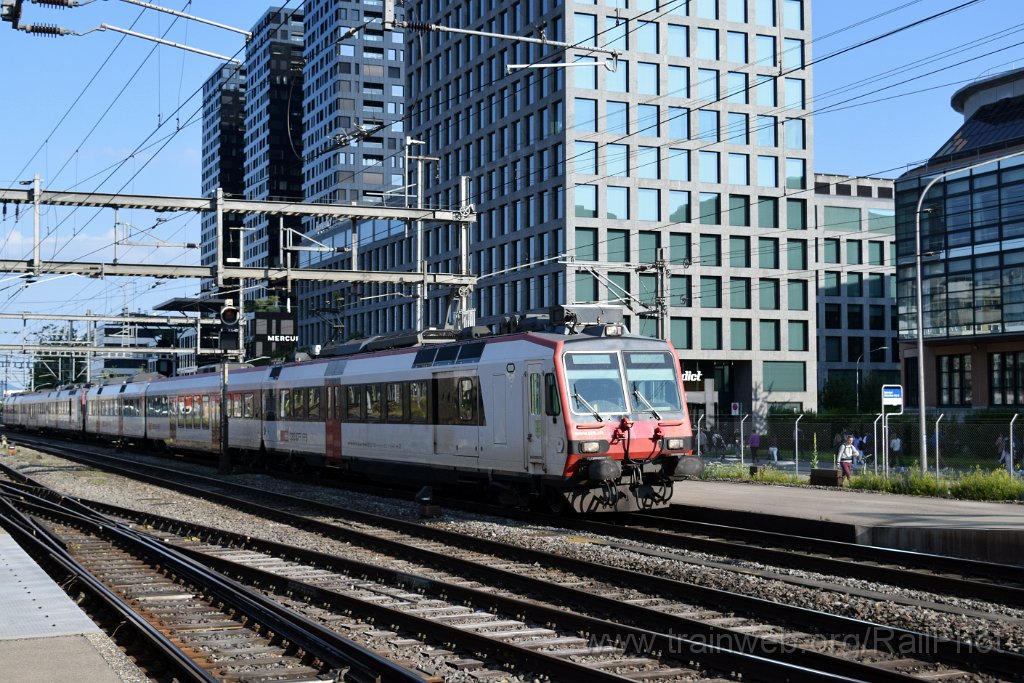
x=957 y=443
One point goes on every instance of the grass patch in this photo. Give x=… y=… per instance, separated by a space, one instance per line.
x=976 y=484
x=766 y=474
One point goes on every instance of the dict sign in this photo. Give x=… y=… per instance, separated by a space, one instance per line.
x=892 y=395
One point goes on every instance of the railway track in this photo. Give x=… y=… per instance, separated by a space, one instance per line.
x=706 y=616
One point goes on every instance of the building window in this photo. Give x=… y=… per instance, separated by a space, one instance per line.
x=710 y=208
x=769 y=335
x=648 y=208
x=679 y=165
x=833 y=316
x=617 y=203
x=739 y=252
x=586 y=114
x=831 y=251
x=1006 y=378
x=739 y=335
x=586 y=244
x=616 y=159
x=681 y=333
x=586 y=201
x=710 y=250
x=769 y=299
x=797 y=295
x=739 y=293
x=833 y=349
x=784 y=376
x=710 y=334
x=679 y=206
x=767 y=252
x=618 y=246
x=954 y=380
x=616 y=117
x=711 y=292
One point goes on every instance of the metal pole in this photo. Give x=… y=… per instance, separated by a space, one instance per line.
x=224 y=462
x=874 y=433
x=37 y=196
x=741 y=437
x=421 y=289
x=858 y=385
x=796 y=444
x=698 y=434
x=1009 y=465
x=219 y=278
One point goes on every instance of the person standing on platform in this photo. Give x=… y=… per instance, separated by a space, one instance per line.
x=895 y=447
x=847 y=454
x=755 y=443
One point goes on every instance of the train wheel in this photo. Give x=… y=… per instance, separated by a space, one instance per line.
x=550 y=501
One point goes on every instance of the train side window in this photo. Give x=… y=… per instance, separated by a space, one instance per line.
x=372 y=394
x=467 y=400
x=552 y=406
x=284 y=405
x=249 y=406
x=535 y=393
x=393 y=402
x=298 y=404
x=329 y=404
x=205 y=413
x=418 y=401
x=313 y=403
x=353 y=393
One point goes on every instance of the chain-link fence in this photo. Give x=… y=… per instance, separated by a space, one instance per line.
x=957 y=442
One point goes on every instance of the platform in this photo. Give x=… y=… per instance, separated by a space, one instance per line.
x=993 y=532
x=38 y=621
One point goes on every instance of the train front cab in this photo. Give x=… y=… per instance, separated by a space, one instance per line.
x=628 y=432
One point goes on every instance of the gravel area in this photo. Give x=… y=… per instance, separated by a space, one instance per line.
x=1005 y=628
x=118 y=661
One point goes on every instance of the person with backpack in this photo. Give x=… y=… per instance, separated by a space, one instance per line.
x=847 y=454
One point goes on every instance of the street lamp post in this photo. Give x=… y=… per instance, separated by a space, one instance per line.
x=870 y=351
x=922 y=424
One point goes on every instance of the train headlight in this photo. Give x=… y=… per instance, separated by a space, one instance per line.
x=590 y=446
x=675 y=444
x=614 y=330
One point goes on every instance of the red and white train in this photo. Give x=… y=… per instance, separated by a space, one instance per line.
x=595 y=420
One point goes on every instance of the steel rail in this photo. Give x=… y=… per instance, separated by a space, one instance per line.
x=703 y=648
x=44 y=546
x=317 y=640
x=960 y=653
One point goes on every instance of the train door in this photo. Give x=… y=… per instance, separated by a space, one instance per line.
x=332 y=424
x=533 y=410
x=457 y=432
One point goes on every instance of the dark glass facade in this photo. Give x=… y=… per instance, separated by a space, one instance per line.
x=972 y=241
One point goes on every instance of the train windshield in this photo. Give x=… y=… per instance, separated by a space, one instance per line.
x=653 y=381
x=595 y=383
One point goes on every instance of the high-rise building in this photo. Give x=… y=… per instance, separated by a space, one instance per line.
x=273 y=149
x=856 y=280
x=223 y=152
x=673 y=179
x=354 y=138
x=968 y=203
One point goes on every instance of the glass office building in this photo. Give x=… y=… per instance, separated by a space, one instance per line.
x=673 y=180
x=972 y=244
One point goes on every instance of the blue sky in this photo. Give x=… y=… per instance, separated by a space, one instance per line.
x=135 y=128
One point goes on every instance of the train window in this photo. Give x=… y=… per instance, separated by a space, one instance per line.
x=446 y=355
x=470 y=353
x=205 y=412
x=424 y=358
x=372 y=395
x=418 y=401
x=353 y=392
x=329 y=404
x=552 y=405
x=393 y=401
x=284 y=404
x=535 y=393
x=653 y=381
x=298 y=404
x=595 y=383
x=313 y=403
x=248 y=406
x=467 y=400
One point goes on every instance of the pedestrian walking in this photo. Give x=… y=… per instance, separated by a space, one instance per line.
x=847 y=454
x=755 y=443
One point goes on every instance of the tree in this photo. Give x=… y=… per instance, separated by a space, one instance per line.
x=838 y=394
